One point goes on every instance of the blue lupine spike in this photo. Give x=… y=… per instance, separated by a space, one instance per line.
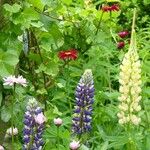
x=84 y=99
x=32 y=132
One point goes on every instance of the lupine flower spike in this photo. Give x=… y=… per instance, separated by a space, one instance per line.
x=33 y=126
x=84 y=100
x=130 y=85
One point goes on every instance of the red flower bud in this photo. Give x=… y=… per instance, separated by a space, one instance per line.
x=123 y=34
x=120 y=44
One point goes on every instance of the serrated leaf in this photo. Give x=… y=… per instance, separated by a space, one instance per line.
x=12 y=8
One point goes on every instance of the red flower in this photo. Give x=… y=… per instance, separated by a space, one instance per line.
x=123 y=34
x=107 y=8
x=120 y=44
x=71 y=54
x=115 y=7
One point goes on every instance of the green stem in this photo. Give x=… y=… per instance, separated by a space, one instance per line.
x=12 y=117
x=58 y=137
x=99 y=23
x=67 y=84
x=108 y=71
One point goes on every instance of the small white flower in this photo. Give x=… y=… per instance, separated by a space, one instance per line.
x=9 y=131
x=11 y=80
x=74 y=145
x=58 y=121
x=1 y=147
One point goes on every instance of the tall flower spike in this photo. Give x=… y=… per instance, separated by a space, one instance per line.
x=33 y=126
x=130 y=84
x=84 y=100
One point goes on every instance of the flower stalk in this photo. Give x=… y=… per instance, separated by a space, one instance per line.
x=12 y=117
x=130 y=84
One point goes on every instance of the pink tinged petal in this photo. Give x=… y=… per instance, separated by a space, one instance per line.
x=10 y=80
x=40 y=118
x=21 y=80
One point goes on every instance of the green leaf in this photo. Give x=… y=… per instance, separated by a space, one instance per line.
x=56 y=111
x=37 y=24
x=8 y=61
x=67 y=2
x=83 y=147
x=5 y=114
x=13 y=9
x=37 y=3
x=26 y=17
x=42 y=91
x=51 y=68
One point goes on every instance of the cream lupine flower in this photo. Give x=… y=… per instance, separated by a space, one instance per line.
x=130 y=82
x=130 y=85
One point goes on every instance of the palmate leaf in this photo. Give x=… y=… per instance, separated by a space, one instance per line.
x=8 y=61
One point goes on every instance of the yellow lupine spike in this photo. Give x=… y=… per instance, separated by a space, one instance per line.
x=130 y=83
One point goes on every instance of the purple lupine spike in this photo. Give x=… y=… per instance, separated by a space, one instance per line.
x=84 y=99
x=33 y=126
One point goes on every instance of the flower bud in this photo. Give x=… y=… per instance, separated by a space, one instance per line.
x=123 y=34
x=58 y=121
x=120 y=44
x=1 y=147
x=11 y=131
x=74 y=145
